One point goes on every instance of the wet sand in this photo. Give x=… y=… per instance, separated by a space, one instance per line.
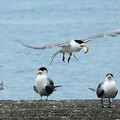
x=58 y=110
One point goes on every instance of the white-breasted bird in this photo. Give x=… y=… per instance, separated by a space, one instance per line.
x=107 y=89
x=44 y=86
x=71 y=46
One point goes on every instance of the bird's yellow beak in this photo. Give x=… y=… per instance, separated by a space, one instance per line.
x=109 y=78
x=39 y=73
x=85 y=48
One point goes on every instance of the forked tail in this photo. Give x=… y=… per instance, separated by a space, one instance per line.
x=55 y=87
x=92 y=89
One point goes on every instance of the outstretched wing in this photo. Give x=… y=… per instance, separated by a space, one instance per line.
x=112 y=34
x=47 y=46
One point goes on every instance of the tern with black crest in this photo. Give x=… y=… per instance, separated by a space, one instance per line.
x=71 y=46
x=44 y=86
x=107 y=89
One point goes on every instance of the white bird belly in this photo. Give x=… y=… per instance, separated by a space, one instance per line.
x=40 y=85
x=110 y=90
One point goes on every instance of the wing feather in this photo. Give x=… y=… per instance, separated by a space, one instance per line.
x=47 y=46
x=35 y=89
x=51 y=45
x=112 y=34
x=100 y=91
x=50 y=82
x=116 y=94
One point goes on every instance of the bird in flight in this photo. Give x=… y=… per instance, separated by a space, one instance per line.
x=44 y=86
x=71 y=46
x=106 y=89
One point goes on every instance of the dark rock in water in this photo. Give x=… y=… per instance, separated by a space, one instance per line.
x=58 y=110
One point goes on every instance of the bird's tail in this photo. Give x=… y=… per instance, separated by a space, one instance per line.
x=55 y=87
x=92 y=89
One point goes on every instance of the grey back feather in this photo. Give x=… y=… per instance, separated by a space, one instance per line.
x=50 y=81
x=100 y=91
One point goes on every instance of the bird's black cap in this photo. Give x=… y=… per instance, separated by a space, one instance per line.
x=43 y=68
x=110 y=74
x=79 y=41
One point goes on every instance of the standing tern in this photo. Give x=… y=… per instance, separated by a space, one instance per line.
x=107 y=89
x=44 y=85
x=72 y=46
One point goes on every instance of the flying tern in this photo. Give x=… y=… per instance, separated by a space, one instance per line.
x=44 y=86
x=71 y=46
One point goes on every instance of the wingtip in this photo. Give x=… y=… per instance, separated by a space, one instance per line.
x=18 y=41
x=21 y=42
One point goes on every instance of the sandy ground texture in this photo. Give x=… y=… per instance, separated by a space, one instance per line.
x=58 y=110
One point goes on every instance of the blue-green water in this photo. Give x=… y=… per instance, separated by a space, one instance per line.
x=45 y=21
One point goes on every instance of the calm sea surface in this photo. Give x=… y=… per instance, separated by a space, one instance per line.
x=48 y=21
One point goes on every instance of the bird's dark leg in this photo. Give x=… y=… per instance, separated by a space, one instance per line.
x=47 y=98
x=69 y=57
x=109 y=103
x=63 y=59
x=102 y=102
x=41 y=97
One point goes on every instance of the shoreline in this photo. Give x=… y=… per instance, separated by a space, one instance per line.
x=59 y=110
